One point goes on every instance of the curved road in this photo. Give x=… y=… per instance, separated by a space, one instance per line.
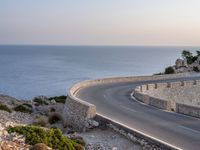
x=113 y=101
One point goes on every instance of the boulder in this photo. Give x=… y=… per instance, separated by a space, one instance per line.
x=91 y=124
x=53 y=101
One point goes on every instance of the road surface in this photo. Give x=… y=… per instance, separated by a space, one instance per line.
x=113 y=101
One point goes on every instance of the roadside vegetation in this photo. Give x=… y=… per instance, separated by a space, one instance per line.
x=43 y=100
x=59 y=99
x=53 y=138
x=25 y=108
x=189 y=56
x=40 y=101
x=169 y=70
x=5 y=108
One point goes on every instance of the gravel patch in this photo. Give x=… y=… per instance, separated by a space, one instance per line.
x=107 y=139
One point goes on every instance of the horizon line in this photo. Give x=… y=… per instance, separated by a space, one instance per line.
x=101 y=45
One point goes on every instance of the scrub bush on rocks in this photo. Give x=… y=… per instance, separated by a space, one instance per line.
x=41 y=100
x=23 y=108
x=59 y=99
x=51 y=137
x=40 y=121
x=5 y=108
x=54 y=118
x=169 y=70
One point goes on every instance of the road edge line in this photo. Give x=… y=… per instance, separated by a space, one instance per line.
x=142 y=133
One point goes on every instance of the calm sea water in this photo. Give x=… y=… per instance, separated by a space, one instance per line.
x=28 y=71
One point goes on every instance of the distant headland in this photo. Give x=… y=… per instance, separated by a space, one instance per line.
x=188 y=63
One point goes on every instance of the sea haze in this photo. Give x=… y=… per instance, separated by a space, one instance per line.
x=28 y=71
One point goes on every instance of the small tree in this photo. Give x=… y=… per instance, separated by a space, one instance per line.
x=198 y=53
x=196 y=69
x=188 y=56
x=169 y=70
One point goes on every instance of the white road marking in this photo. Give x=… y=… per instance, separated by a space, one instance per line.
x=142 y=133
x=132 y=97
x=132 y=110
x=189 y=129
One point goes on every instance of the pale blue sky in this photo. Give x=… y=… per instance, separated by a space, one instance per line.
x=100 y=22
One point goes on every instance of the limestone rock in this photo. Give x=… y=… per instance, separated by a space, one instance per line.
x=53 y=101
x=91 y=124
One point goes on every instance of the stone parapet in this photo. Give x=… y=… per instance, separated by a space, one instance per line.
x=188 y=110
x=161 y=85
x=151 y=86
x=150 y=95
x=175 y=84
x=77 y=113
x=197 y=82
x=156 y=102
x=189 y=83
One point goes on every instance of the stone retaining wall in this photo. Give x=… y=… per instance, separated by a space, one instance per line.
x=188 y=110
x=175 y=96
x=77 y=113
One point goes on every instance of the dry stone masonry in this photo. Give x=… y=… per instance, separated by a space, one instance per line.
x=181 y=97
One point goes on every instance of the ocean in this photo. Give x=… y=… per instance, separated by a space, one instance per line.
x=29 y=71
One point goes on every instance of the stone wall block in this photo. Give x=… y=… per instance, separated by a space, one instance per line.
x=188 y=83
x=161 y=85
x=172 y=106
x=143 y=88
x=175 y=84
x=77 y=112
x=138 y=89
x=151 y=87
x=156 y=102
x=197 y=82
x=188 y=110
x=146 y=99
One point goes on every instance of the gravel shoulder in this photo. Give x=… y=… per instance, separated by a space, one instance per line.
x=107 y=139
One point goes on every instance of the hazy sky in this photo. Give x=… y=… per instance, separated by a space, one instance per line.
x=100 y=22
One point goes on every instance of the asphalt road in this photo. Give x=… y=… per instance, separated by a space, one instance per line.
x=113 y=101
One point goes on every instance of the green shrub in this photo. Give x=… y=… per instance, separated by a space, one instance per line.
x=28 y=105
x=54 y=117
x=5 y=108
x=196 y=69
x=158 y=74
x=59 y=99
x=188 y=56
x=13 y=102
x=52 y=110
x=51 y=137
x=79 y=140
x=40 y=101
x=23 y=108
x=169 y=70
x=40 y=121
